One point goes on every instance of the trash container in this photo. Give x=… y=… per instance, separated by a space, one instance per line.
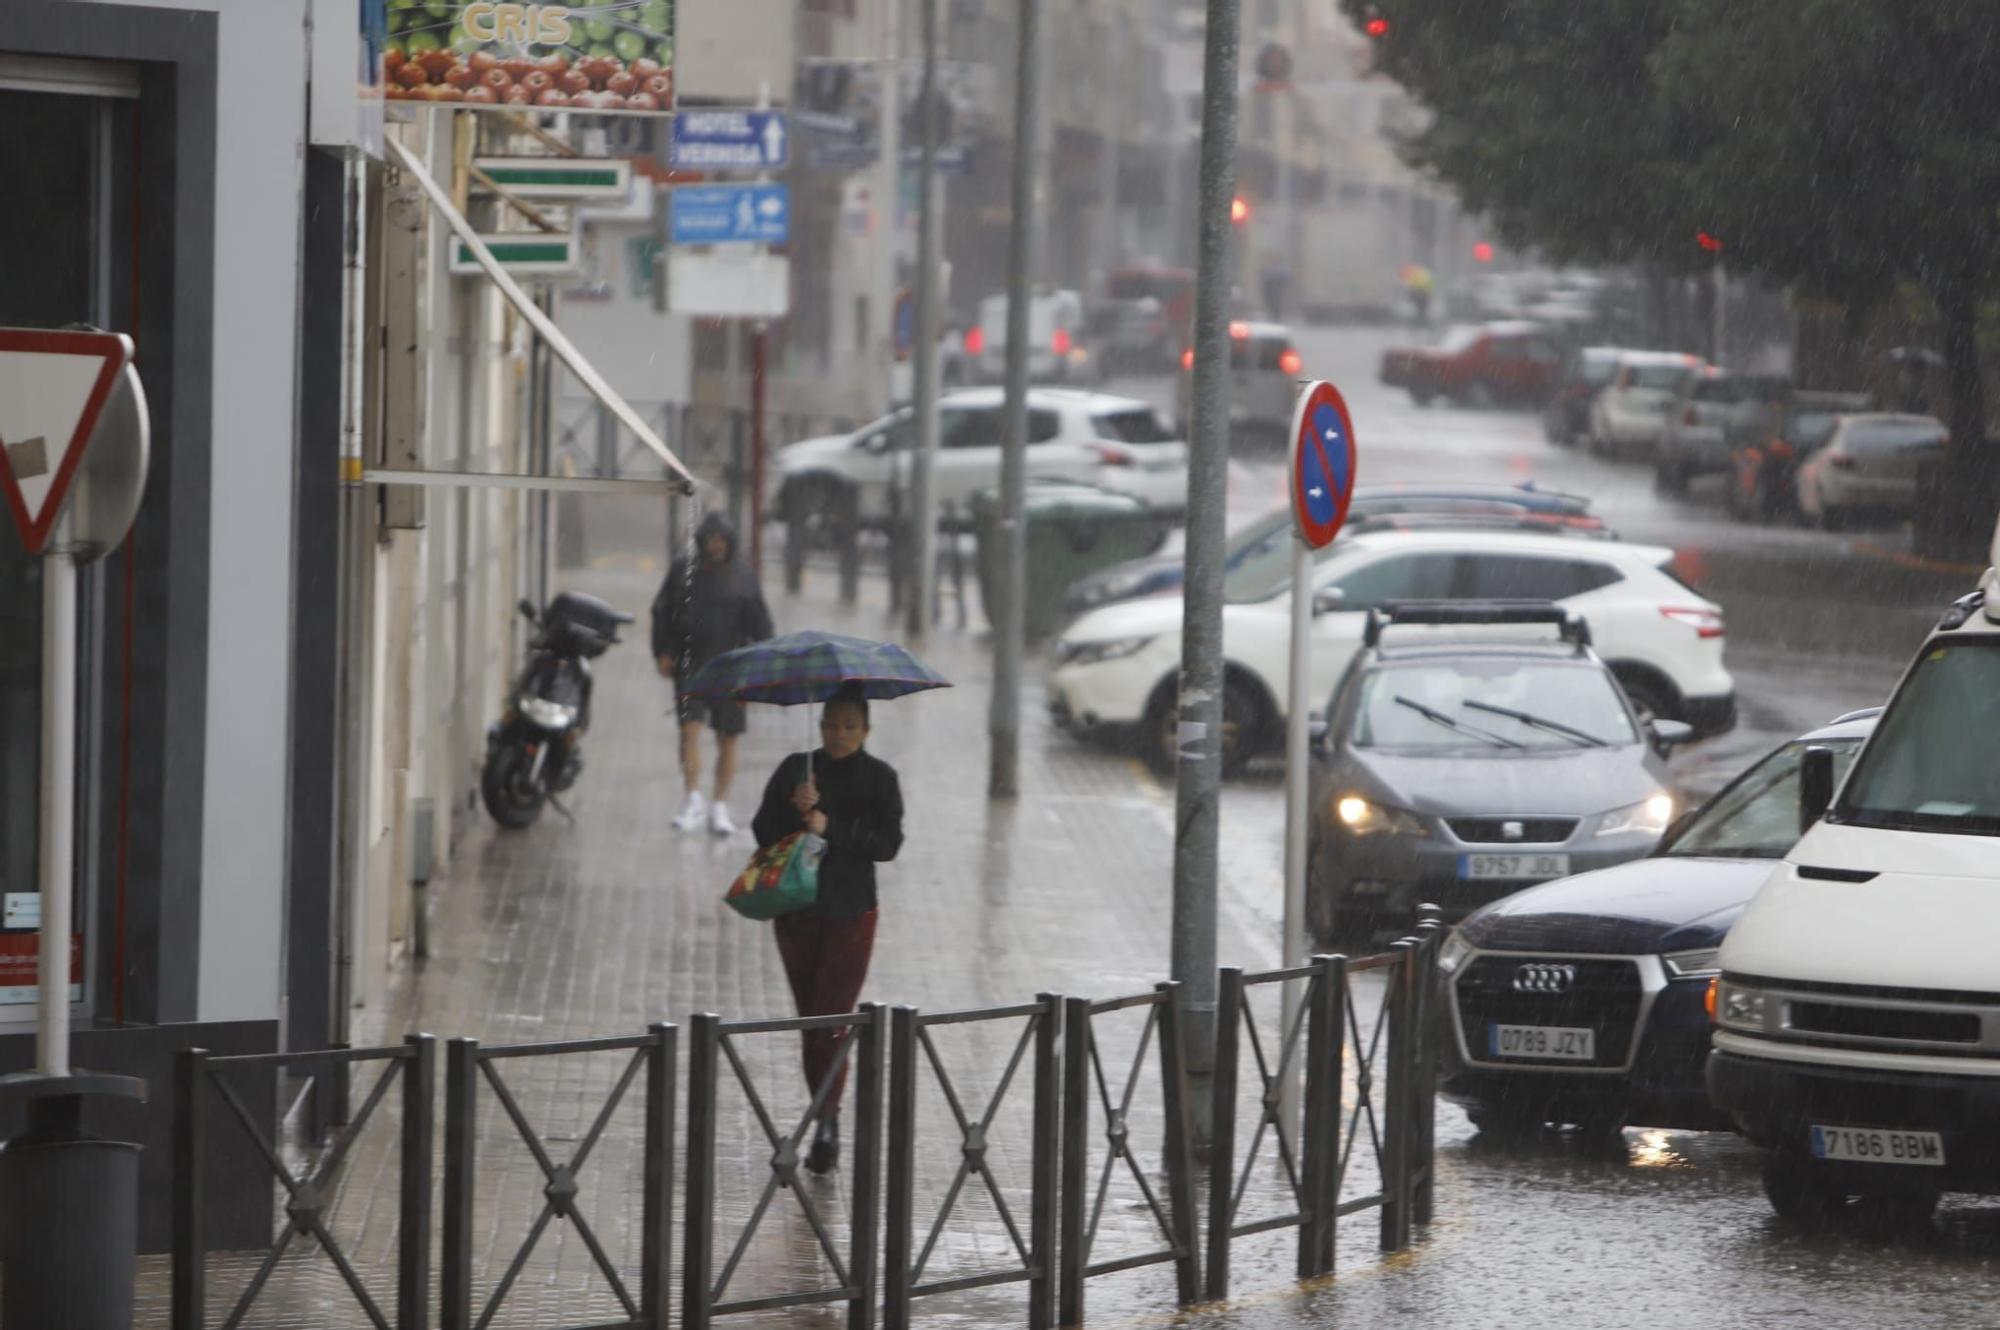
x=1073 y=529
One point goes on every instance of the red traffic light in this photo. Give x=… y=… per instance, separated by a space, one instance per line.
x=1712 y=244
x=1483 y=252
x=1239 y=210
x=1376 y=27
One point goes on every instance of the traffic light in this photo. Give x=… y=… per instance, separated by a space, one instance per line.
x=1239 y=210
x=1376 y=27
x=1482 y=252
x=1713 y=244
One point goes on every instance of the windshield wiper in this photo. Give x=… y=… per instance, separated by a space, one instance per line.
x=1433 y=714
x=1570 y=732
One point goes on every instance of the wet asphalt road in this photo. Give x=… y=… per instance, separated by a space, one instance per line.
x=1656 y=1227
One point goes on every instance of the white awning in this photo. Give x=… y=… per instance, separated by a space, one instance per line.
x=547 y=330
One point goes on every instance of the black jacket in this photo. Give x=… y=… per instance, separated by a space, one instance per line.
x=863 y=803
x=705 y=608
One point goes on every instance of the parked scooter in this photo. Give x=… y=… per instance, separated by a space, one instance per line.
x=535 y=752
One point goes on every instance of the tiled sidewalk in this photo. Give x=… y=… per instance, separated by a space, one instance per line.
x=597 y=928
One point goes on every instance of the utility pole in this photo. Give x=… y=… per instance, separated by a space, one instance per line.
x=1198 y=787
x=923 y=498
x=1004 y=721
x=889 y=185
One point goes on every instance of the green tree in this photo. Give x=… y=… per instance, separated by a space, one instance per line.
x=1839 y=147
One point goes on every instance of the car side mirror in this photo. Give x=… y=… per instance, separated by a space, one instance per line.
x=1815 y=786
x=1671 y=733
x=1329 y=600
x=527 y=609
x=875 y=443
x=1316 y=729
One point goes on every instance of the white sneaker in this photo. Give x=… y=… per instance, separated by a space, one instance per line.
x=691 y=811
x=718 y=819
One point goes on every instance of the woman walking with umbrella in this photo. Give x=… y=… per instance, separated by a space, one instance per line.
x=848 y=798
x=852 y=800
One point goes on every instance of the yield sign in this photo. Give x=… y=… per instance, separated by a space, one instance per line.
x=53 y=385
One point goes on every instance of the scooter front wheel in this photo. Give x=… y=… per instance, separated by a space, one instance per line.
x=508 y=789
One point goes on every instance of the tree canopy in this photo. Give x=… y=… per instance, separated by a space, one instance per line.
x=1839 y=147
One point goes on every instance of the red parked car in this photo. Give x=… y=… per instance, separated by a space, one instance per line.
x=1478 y=366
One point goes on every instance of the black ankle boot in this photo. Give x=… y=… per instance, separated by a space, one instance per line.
x=825 y=1152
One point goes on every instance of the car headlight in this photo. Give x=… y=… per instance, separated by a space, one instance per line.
x=1092 y=653
x=1096 y=591
x=1368 y=819
x=1453 y=953
x=1692 y=964
x=1739 y=1008
x=549 y=715
x=1650 y=815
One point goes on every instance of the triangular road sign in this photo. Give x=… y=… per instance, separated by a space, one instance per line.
x=53 y=385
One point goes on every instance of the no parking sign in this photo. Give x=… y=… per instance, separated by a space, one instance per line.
x=1321 y=474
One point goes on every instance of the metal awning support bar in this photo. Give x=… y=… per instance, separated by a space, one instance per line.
x=539 y=321
x=508 y=481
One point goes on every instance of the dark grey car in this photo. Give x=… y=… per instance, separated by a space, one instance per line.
x=1460 y=766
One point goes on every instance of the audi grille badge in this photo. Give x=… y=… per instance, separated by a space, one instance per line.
x=1544 y=978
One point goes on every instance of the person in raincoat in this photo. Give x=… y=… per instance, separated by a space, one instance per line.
x=710 y=603
x=852 y=800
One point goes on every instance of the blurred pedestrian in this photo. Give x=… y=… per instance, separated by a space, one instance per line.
x=710 y=603
x=850 y=799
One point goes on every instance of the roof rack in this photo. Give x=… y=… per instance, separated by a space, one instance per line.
x=1405 y=613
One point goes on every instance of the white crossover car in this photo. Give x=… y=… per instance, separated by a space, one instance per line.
x=1118 y=442
x=1115 y=667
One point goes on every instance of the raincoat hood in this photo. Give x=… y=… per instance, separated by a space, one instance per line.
x=715 y=524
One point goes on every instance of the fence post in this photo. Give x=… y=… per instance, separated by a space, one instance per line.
x=902 y=1149
x=189 y=1311
x=656 y=1238
x=413 y=1250
x=867 y=1165
x=1320 y=1119
x=1075 y=1160
x=341 y=1076
x=461 y=1137
x=1179 y=1146
x=698 y=1241
x=1328 y=1243
x=1046 y=1164
x=1431 y=935
x=1396 y=1102
x=1222 y=1132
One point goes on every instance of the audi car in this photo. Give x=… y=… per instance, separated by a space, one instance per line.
x=1582 y=1001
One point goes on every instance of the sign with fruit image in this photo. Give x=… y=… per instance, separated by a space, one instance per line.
x=615 y=56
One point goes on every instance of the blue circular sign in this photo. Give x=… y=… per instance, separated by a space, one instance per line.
x=1322 y=465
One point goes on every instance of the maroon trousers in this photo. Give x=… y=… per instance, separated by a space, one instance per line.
x=826 y=961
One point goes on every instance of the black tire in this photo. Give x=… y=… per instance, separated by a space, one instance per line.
x=1801 y=1192
x=1669 y=476
x=1748 y=498
x=1242 y=726
x=1650 y=698
x=1899 y=1215
x=1330 y=918
x=1506 y=1122
x=504 y=790
x=1422 y=396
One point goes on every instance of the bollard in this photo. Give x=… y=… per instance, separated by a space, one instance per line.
x=69 y=1207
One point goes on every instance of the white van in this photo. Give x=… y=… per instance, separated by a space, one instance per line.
x=1858 y=1005
x=1057 y=350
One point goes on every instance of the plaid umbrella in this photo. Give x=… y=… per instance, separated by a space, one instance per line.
x=812 y=667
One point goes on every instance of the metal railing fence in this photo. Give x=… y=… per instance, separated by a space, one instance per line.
x=1366 y=1081
x=466 y=1065
x=307 y=1194
x=912 y=1049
